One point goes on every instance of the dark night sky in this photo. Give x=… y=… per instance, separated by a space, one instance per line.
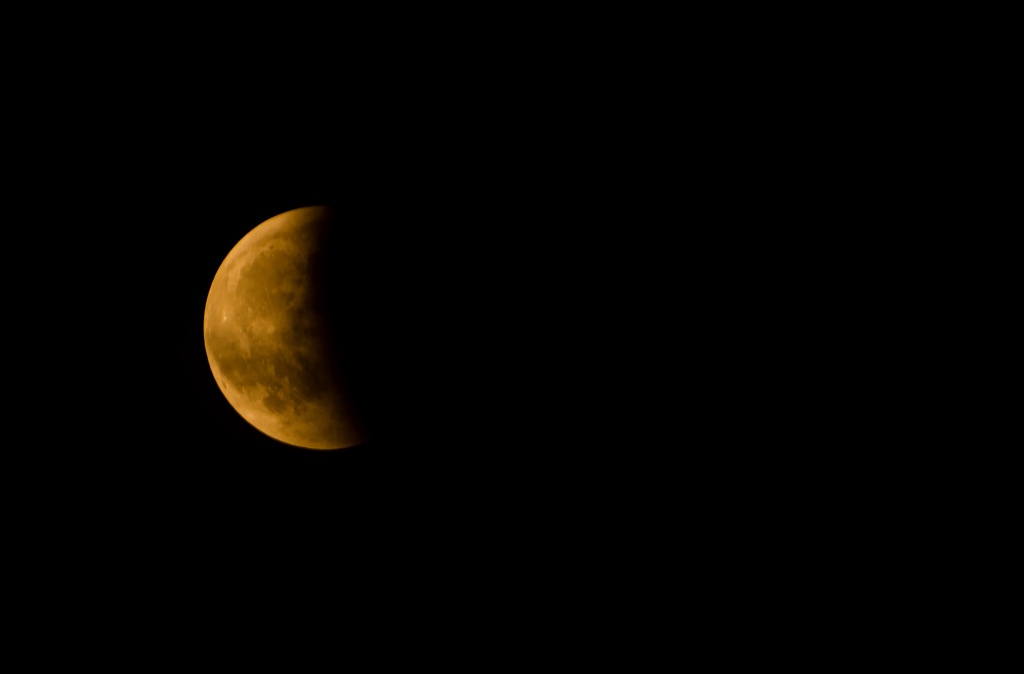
x=565 y=295
x=541 y=247
x=447 y=266
x=493 y=299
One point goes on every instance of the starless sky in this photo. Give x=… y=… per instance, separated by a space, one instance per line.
x=473 y=223
x=488 y=307
x=423 y=306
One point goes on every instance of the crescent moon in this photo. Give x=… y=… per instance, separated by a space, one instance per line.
x=268 y=334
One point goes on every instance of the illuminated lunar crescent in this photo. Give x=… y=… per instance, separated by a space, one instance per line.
x=269 y=338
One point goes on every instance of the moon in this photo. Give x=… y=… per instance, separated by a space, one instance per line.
x=271 y=333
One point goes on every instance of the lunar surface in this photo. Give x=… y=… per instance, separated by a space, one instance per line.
x=269 y=339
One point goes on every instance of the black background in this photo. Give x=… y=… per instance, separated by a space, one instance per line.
x=569 y=242
x=499 y=288
x=460 y=284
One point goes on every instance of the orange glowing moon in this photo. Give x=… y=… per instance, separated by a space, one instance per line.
x=269 y=336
